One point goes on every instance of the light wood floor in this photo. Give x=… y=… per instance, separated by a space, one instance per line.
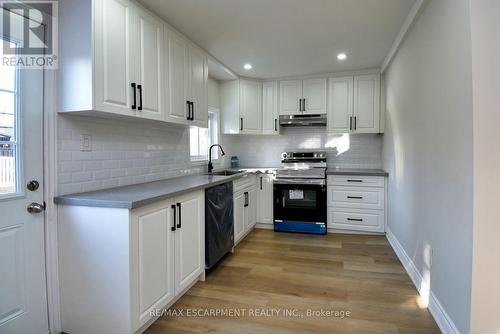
x=359 y=274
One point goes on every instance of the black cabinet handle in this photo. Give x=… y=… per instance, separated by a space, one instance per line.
x=173 y=208
x=180 y=219
x=352 y=180
x=261 y=183
x=355 y=219
x=241 y=123
x=275 y=124
x=350 y=122
x=188 y=105
x=246 y=199
x=303 y=104
x=354 y=197
x=139 y=87
x=192 y=110
x=134 y=105
x=355 y=122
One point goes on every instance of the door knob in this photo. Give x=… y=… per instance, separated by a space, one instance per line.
x=32 y=185
x=36 y=207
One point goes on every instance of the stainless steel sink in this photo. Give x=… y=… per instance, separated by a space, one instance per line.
x=226 y=172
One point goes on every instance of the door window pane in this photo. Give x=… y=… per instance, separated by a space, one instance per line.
x=9 y=162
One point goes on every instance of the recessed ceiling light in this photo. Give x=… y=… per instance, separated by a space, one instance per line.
x=341 y=56
x=247 y=66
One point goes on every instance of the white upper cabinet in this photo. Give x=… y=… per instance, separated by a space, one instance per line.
x=314 y=96
x=149 y=65
x=354 y=104
x=177 y=78
x=198 y=86
x=306 y=96
x=114 y=60
x=340 y=109
x=250 y=106
x=290 y=97
x=130 y=63
x=366 y=103
x=270 y=121
x=241 y=106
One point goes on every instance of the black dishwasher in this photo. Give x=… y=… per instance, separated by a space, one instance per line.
x=219 y=221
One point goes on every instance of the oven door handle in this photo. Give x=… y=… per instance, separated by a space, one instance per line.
x=314 y=182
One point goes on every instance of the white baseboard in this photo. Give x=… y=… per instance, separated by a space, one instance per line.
x=442 y=318
x=264 y=226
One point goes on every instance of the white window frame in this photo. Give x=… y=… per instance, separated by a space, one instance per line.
x=203 y=159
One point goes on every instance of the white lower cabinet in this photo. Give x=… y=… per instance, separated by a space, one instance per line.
x=245 y=206
x=356 y=203
x=119 y=266
x=265 y=199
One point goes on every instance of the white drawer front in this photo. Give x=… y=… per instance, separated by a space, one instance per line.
x=356 y=197
x=356 y=220
x=243 y=182
x=356 y=181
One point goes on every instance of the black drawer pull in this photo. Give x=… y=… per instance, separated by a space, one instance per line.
x=246 y=199
x=192 y=111
x=175 y=214
x=188 y=105
x=354 y=197
x=134 y=105
x=241 y=124
x=180 y=219
x=139 y=88
x=355 y=219
x=351 y=180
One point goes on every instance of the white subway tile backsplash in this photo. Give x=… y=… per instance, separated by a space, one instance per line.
x=123 y=153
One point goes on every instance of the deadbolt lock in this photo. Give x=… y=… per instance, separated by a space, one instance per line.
x=33 y=185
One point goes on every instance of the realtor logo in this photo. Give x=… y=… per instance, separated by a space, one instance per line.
x=29 y=33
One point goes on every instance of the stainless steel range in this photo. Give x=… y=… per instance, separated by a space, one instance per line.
x=300 y=193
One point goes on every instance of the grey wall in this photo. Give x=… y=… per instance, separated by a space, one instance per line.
x=486 y=80
x=348 y=151
x=428 y=151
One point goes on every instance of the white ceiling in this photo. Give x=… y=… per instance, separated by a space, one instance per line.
x=288 y=37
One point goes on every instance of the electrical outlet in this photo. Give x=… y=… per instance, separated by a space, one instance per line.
x=85 y=143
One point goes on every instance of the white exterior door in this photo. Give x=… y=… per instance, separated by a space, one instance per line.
x=177 y=79
x=341 y=104
x=270 y=124
x=367 y=103
x=189 y=239
x=314 y=95
x=290 y=95
x=23 y=301
x=149 y=65
x=250 y=106
x=198 y=70
x=114 y=61
x=239 y=216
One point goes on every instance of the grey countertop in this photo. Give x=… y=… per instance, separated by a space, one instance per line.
x=354 y=171
x=133 y=196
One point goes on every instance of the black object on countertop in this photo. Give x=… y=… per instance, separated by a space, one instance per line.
x=219 y=222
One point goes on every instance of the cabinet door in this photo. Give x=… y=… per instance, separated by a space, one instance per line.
x=265 y=200
x=290 y=95
x=251 y=209
x=270 y=122
x=367 y=103
x=177 y=79
x=239 y=216
x=198 y=86
x=340 y=95
x=314 y=94
x=152 y=255
x=250 y=106
x=189 y=239
x=149 y=65
x=113 y=53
